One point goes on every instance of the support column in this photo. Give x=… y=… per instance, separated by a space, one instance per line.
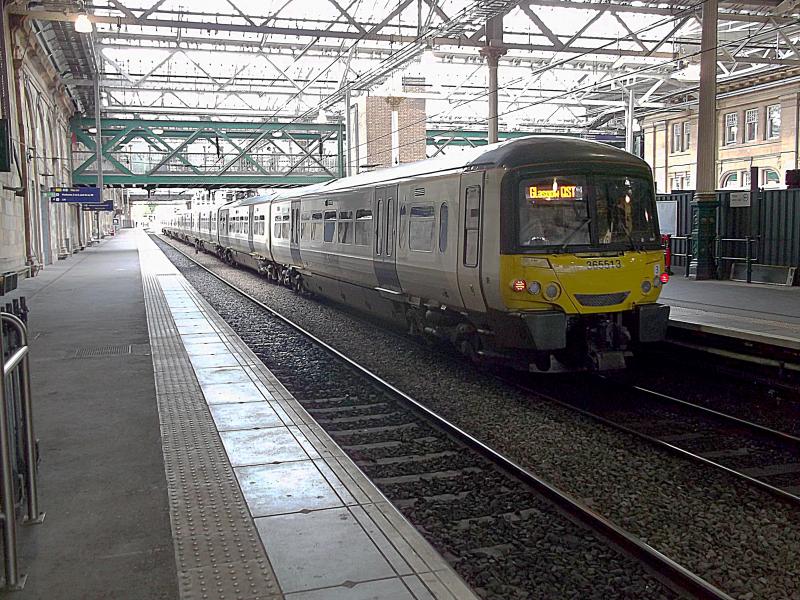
x=704 y=205
x=98 y=140
x=348 y=137
x=492 y=52
x=629 y=121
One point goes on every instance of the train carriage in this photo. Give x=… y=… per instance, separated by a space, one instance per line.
x=532 y=249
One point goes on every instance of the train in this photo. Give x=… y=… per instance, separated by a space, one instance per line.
x=542 y=252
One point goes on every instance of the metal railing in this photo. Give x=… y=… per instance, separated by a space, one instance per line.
x=16 y=420
x=748 y=257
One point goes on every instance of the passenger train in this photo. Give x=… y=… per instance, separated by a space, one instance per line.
x=540 y=252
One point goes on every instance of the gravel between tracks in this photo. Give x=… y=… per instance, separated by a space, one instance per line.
x=734 y=536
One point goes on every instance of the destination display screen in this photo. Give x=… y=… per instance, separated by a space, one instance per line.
x=553 y=192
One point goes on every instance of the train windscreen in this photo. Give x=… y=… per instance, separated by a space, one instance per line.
x=609 y=211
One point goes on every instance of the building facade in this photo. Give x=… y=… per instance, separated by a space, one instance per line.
x=34 y=231
x=756 y=127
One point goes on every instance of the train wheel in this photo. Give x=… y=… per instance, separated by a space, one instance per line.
x=412 y=322
x=468 y=347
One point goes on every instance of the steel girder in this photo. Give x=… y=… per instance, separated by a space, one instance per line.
x=208 y=154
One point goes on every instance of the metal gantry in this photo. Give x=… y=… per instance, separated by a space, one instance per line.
x=185 y=153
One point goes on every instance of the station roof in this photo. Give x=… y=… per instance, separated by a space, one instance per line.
x=567 y=63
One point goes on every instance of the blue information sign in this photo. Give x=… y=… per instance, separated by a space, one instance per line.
x=108 y=205
x=84 y=195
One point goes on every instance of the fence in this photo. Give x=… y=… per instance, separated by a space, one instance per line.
x=18 y=446
x=771 y=222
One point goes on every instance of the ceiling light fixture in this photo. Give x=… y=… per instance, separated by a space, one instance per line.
x=82 y=22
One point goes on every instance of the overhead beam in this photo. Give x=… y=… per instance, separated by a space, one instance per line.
x=724 y=15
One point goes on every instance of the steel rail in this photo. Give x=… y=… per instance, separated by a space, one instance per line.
x=763 y=430
x=771 y=489
x=664 y=568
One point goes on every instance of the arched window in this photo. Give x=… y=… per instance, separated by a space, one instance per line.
x=770 y=177
x=730 y=180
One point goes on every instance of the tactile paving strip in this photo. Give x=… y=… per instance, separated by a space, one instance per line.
x=217 y=548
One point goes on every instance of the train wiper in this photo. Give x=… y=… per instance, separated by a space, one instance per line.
x=572 y=233
x=631 y=242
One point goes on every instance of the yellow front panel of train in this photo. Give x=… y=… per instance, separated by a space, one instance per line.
x=581 y=283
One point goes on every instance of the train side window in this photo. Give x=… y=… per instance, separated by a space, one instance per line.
x=389 y=237
x=330 y=225
x=378 y=210
x=443 y=228
x=472 y=223
x=305 y=227
x=421 y=227
x=401 y=237
x=276 y=230
x=345 y=235
x=316 y=226
x=363 y=226
x=285 y=227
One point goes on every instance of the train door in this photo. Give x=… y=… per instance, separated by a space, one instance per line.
x=385 y=235
x=224 y=225
x=294 y=236
x=250 y=227
x=470 y=225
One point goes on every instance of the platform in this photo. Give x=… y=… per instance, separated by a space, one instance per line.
x=766 y=314
x=175 y=465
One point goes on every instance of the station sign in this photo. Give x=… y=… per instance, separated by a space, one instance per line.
x=82 y=195
x=740 y=199
x=107 y=205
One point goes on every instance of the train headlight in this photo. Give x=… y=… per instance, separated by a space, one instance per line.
x=519 y=285
x=552 y=291
x=534 y=287
x=646 y=286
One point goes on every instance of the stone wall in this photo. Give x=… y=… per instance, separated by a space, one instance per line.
x=36 y=232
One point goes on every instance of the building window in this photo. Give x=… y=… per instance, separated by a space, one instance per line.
x=731 y=180
x=770 y=177
x=681 y=181
x=680 y=136
x=737 y=179
x=731 y=128
x=773 y=121
x=677 y=137
x=750 y=125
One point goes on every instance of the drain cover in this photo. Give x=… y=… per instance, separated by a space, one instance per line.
x=113 y=350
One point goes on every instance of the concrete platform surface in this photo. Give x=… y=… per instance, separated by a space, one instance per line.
x=756 y=312
x=102 y=482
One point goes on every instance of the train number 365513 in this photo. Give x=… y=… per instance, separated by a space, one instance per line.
x=603 y=264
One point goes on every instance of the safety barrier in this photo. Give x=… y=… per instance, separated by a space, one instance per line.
x=18 y=445
x=686 y=240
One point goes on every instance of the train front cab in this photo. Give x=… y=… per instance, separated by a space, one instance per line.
x=581 y=265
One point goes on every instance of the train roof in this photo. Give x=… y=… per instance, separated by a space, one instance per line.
x=517 y=152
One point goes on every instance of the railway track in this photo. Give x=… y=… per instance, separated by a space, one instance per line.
x=509 y=533
x=764 y=457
